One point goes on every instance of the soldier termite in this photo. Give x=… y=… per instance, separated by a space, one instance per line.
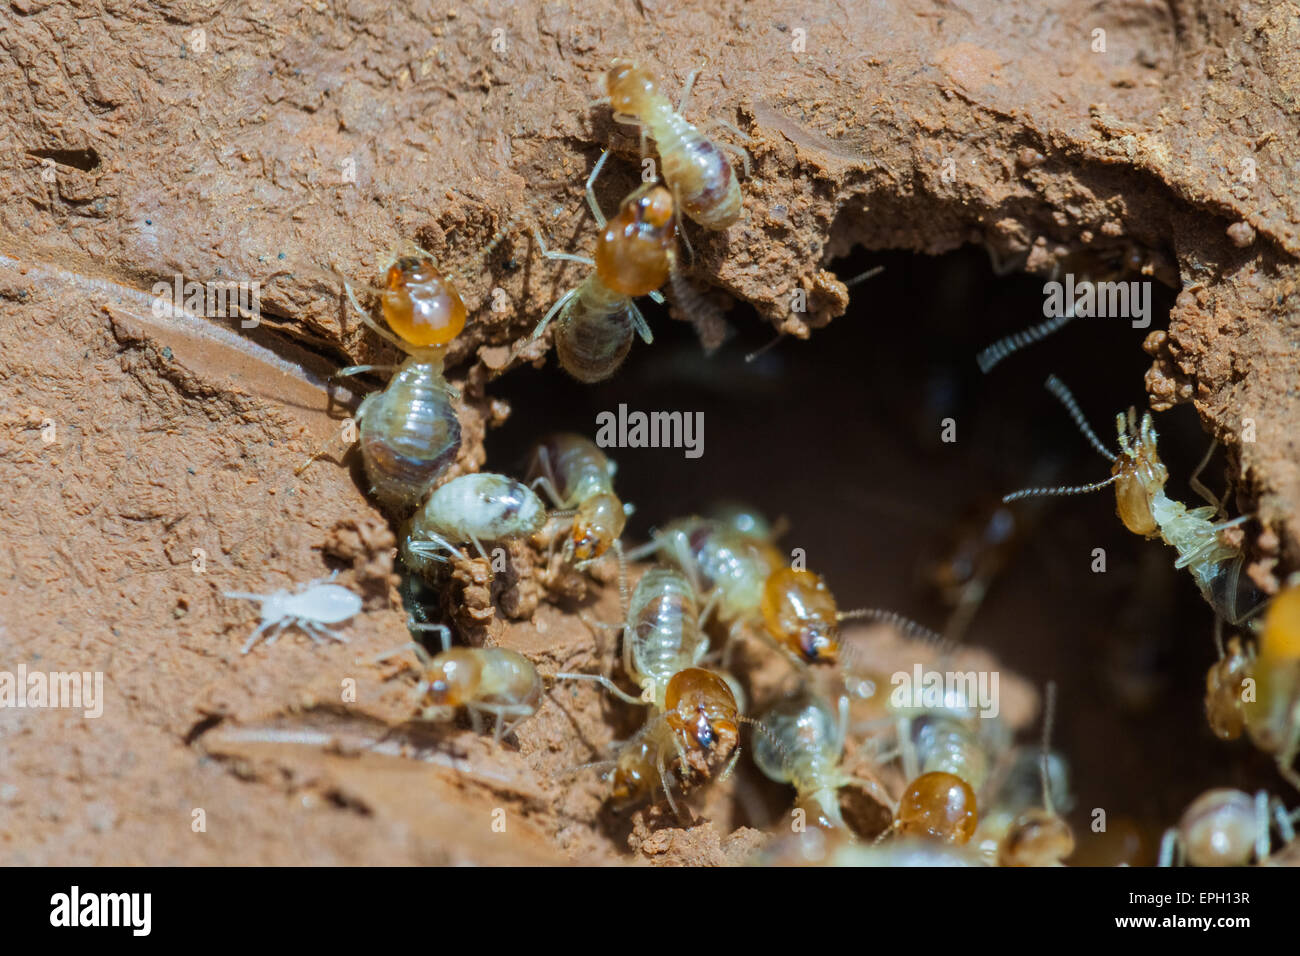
x=594 y=321
x=492 y=681
x=702 y=180
x=1139 y=478
x=803 y=746
x=1226 y=828
x=578 y=477
x=471 y=509
x=310 y=608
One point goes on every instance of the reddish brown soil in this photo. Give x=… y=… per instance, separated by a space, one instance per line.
x=226 y=159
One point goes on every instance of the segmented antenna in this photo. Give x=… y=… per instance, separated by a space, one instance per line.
x=770 y=737
x=1066 y=398
x=1053 y=492
x=905 y=625
x=1049 y=715
x=995 y=353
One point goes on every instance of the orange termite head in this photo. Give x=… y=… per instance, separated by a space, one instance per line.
x=940 y=806
x=597 y=526
x=1036 y=838
x=1224 y=710
x=421 y=305
x=800 y=614
x=452 y=678
x=701 y=710
x=634 y=254
x=628 y=86
x=1140 y=473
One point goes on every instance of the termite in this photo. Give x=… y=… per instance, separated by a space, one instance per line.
x=1139 y=478
x=1224 y=688
x=695 y=730
x=494 y=681
x=947 y=761
x=471 y=509
x=726 y=567
x=1226 y=827
x=310 y=608
x=661 y=636
x=579 y=477
x=803 y=745
x=742 y=579
x=1038 y=835
x=701 y=178
x=595 y=321
x=409 y=433
x=695 y=716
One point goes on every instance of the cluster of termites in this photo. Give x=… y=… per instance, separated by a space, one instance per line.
x=1254 y=686
x=951 y=783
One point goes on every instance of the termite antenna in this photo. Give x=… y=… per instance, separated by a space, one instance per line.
x=995 y=353
x=906 y=625
x=1054 y=492
x=1049 y=715
x=856 y=280
x=863 y=277
x=768 y=735
x=1066 y=398
x=766 y=348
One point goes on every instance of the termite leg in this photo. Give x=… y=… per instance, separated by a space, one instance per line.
x=546 y=319
x=362 y=369
x=510 y=728
x=444 y=634
x=591 y=189
x=1199 y=487
x=551 y=254
x=686 y=89
x=639 y=321
x=374 y=326
x=418 y=649
x=663 y=778
x=604 y=682
x=1169 y=847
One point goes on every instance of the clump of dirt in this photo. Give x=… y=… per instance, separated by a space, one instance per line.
x=149 y=459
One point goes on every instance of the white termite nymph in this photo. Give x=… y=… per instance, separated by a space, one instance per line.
x=314 y=605
x=471 y=509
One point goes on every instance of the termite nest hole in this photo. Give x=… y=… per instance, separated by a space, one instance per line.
x=843 y=437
